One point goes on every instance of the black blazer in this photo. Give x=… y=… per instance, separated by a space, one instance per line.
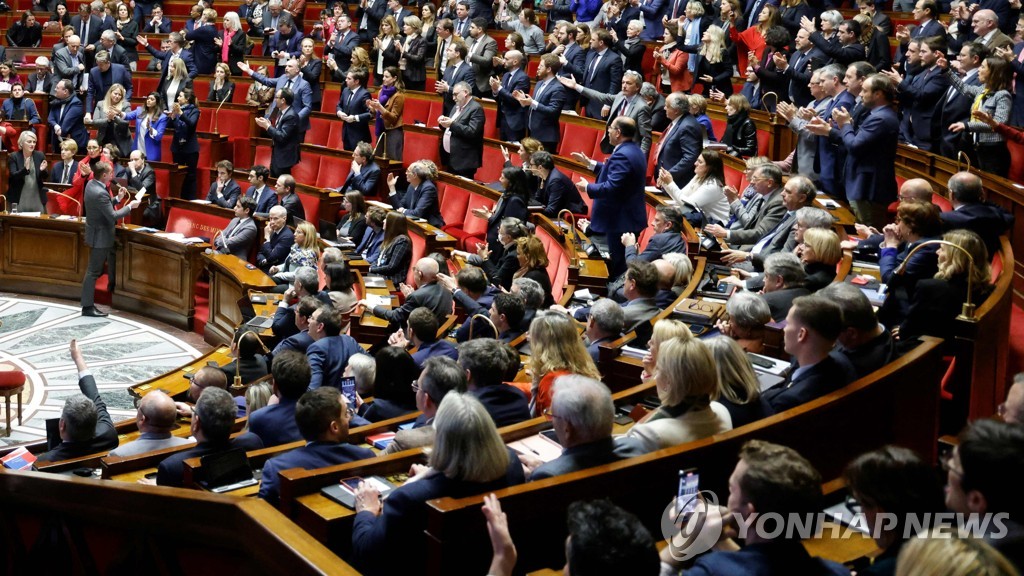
x=355 y=230
x=502 y=271
x=829 y=375
x=311 y=74
x=17 y=173
x=508 y=206
x=222 y=95
x=236 y=51
x=416 y=60
x=394 y=260
x=467 y=139
x=540 y=275
x=740 y=135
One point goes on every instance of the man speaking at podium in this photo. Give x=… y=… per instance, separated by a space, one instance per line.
x=99 y=233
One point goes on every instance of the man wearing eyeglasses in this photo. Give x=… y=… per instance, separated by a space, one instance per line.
x=440 y=376
x=759 y=216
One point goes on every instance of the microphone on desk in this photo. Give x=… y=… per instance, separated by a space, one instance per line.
x=55 y=193
x=574 y=259
x=485 y=318
x=216 y=114
x=968 y=308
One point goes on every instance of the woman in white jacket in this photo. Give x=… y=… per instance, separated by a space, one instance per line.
x=703 y=192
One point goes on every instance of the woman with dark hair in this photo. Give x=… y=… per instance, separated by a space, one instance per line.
x=222 y=88
x=184 y=117
x=468 y=458
x=8 y=77
x=512 y=204
x=740 y=135
x=126 y=29
x=501 y=265
x=396 y=250
x=704 y=192
x=150 y=122
x=890 y=485
x=61 y=15
x=428 y=27
x=675 y=76
x=392 y=394
x=25 y=33
x=353 y=224
x=341 y=286
x=791 y=12
x=388 y=106
x=753 y=39
x=533 y=264
x=993 y=97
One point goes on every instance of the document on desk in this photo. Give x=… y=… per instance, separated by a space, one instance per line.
x=380 y=204
x=538 y=446
x=376 y=300
x=179 y=237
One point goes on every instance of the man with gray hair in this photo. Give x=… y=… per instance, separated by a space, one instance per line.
x=626 y=103
x=656 y=104
x=429 y=294
x=42 y=81
x=512 y=117
x=155 y=419
x=681 y=142
x=117 y=53
x=582 y=413
x=307 y=283
x=784 y=279
x=278 y=239
x=440 y=376
x=102 y=77
x=462 y=142
x=533 y=298
x=85 y=426
x=604 y=324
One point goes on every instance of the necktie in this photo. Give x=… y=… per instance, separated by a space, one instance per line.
x=67 y=175
x=675 y=9
x=764 y=241
x=622 y=108
x=664 y=138
x=593 y=68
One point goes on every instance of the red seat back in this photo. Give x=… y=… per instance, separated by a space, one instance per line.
x=334 y=139
x=195 y=224
x=942 y=202
x=1016 y=161
x=493 y=164
x=202 y=88
x=330 y=97
x=319 y=130
x=733 y=177
x=333 y=172
x=472 y=225
x=578 y=139
x=262 y=156
x=763 y=138
x=311 y=205
x=420 y=146
x=416 y=110
x=419 y=250
x=490 y=123
x=453 y=205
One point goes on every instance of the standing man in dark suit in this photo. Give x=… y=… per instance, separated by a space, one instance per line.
x=352 y=109
x=799 y=67
x=571 y=56
x=285 y=134
x=926 y=12
x=618 y=193
x=603 y=70
x=626 y=103
x=831 y=158
x=457 y=71
x=66 y=115
x=258 y=190
x=922 y=95
x=102 y=77
x=546 y=104
x=339 y=48
x=681 y=142
x=395 y=8
x=278 y=239
x=292 y=79
x=847 y=51
x=880 y=20
x=812 y=326
x=512 y=118
x=69 y=64
x=99 y=233
x=88 y=27
x=118 y=55
x=653 y=11
x=557 y=191
x=955 y=106
x=369 y=14
x=462 y=144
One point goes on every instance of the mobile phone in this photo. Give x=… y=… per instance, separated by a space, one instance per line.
x=762 y=362
x=686 y=499
x=351 y=483
x=348 y=388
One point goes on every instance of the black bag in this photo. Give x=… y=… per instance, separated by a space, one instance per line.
x=153 y=215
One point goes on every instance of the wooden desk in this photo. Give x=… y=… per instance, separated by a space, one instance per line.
x=175 y=383
x=43 y=255
x=230 y=280
x=369 y=328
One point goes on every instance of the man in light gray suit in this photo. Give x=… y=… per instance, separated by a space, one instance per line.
x=99 y=233
x=807 y=143
x=240 y=234
x=626 y=103
x=69 y=64
x=482 y=50
x=440 y=376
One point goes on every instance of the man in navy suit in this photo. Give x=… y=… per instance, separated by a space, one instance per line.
x=66 y=115
x=812 y=326
x=259 y=191
x=512 y=117
x=458 y=70
x=971 y=212
x=395 y=8
x=681 y=142
x=300 y=341
x=353 y=111
x=207 y=53
x=546 y=104
x=276 y=424
x=956 y=106
x=369 y=247
x=322 y=417
x=88 y=27
x=831 y=158
x=279 y=239
x=653 y=11
x=285 y=43
x=668 y=236
x=799 y=67
x=329 y=353
x=420 y=199
x=557 y=191
x=484 y=362
x=290 y=79
x=571 y=56
x=157 y=24
x=224 y=191
x=364 y=172
x=344 y=42
x=284 y=133
x=922 y=95
x=177 y=51
x=618 y=193
x=603 y=71
x=927 y=14
x=102 y=77
x=369 y=14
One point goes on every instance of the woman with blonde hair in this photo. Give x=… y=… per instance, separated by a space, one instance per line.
x=939 y=553
x=311 y=68
x=714 y=70
x=686 y=380
x=110 y=121
x=555 y=350
x=385 y=47
x=738 y=387
x=820 y=253
x=663 y=331
x=258 y=396
x=469 y=457
x=304 y=252
x=177 y=80
x=533 y=264
x=413 y=49
x=222 y=88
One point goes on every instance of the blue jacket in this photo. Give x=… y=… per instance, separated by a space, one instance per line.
x=154 y=142
x=831 y=159
x=311 y=456
x=328 y=358
x=421 y=202
x=275 y=250
x=71 y=125
x=829 y=375
x=354 y=104
x=679 y=151
x=275 y=424
x=98 y=88
x=303 y=96
x=660 y=244
x=506 y=404
x=369 y=246
x=299 y=342
x=184 y=126
x=513 y=116
x=268 y=199
x=435 y=348
x=365 y=181
x=559 y=193
x=618 y=193
x=546 y=109
x=230 y=194
x=871 y=157
x=27 y=104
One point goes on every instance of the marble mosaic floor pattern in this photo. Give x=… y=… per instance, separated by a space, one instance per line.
x=34 y=338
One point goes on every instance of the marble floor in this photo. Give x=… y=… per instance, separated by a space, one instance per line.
x=120 y=351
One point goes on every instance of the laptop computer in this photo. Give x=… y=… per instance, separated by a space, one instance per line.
x=226 y=471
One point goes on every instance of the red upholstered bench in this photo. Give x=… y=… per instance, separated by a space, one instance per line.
x=421 y=146
x=558 y=262
x=494 y=163
x=319 y=130
x=311 y=205
x=330 y=97
x=469 y=230
x=491 y=123
x=733 y=177
x=416 y=110
x=12 y=383
x=305 y=172
x=763 y=138
x=419 y=250
x=195 y=224
x=262 y=157
x=333 y=171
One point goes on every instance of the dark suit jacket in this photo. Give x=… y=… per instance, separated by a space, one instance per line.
x=467 y=138
x=165 y=58
x=512 y=117
x=832 y=158
x=95 y=29
x=311 y=456
x=185 y=141
x=285 y=152
x=546 y=110
x=871 y=157
x=618 y=193
x=71 y=124
x=328 y=358
x=401 y=525
x=354 y=104
x=987 y=220
x=230 y=194
x=506 y=404
x=826 y=376
x=680 y=149
x=207 y=53
x=776 y=557
x=294 y=207
x=170 y=471
x=660 y=244
x=268 y=199
x=921 y=96
x=275 y=250
x=102 y=218
x=605 y=77
x=433 y=296
x=393 y=262
x=16 y=175
x=342 y=49
x=957 y=109
x=780 y=301
x=559 y=193
x=163 y=28
x=240 y=240
x=453 y=77
x=146 y=178
x=421 y=202
x=249 y=369
x=275 y=424
x=365 y=181
x=105 y=437
x=801 y=67
x=57 y=174
x=586 y=456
